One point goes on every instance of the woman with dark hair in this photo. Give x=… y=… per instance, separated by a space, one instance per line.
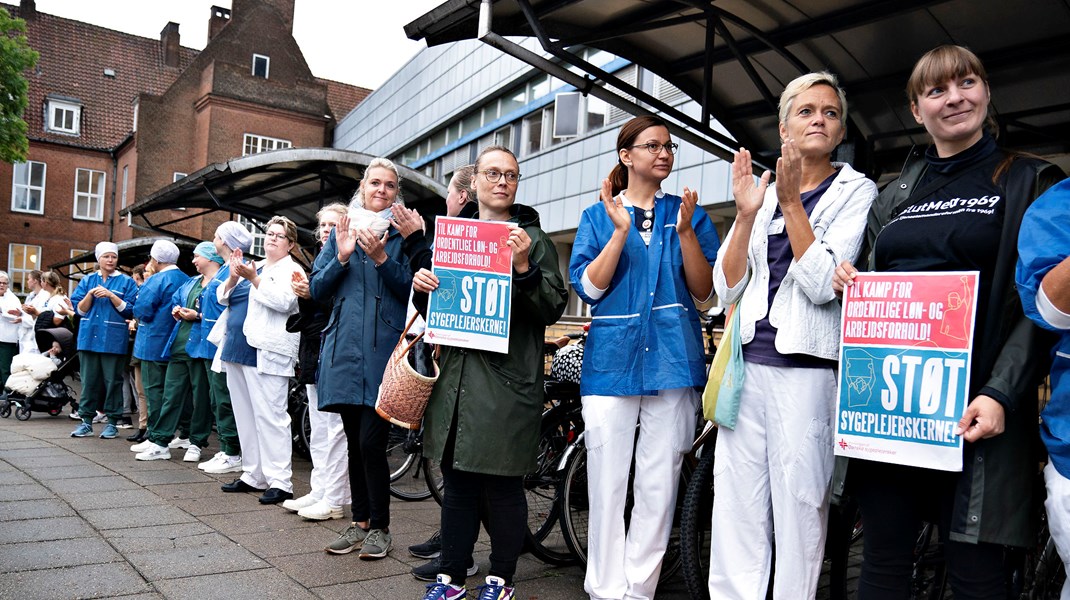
x=777 y=263
x=362 y=274
x=917 y=224
x=643 y=260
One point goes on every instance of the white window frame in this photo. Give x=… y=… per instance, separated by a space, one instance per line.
x=88 y=196
x=76 y=118
x=178 y=175
x=78 y=270
x=16 y=185
x=19 y=274
x=258 y=230
x=262 y=143
x=267 y=65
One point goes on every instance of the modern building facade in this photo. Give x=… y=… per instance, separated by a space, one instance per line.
x=451 y=100
x=113 y=117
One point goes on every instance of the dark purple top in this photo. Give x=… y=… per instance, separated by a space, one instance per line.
x=762 y=349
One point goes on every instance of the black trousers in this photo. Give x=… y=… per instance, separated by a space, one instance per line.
x=895 y=500
x=369 y=475
x=506 y=518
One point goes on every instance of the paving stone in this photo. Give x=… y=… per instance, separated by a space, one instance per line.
x=75 y=472
x=321 y=568
x=270 y=544
x=27 y=491
x=19 y=510
x=158 y=537
x=92 y=484
x=14 y=477
x=158 y=477
x=119 y=518
x=186 y=490
x=242 y=585
x=113 y=499
x=254 y=521
x=82 y=581
x=188 y=562
x=220 y=504
x=58 y=553
x=33 y=530
x=54 y=458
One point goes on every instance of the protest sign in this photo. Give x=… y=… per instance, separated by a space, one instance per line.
x=905 y=367
x=474 y=266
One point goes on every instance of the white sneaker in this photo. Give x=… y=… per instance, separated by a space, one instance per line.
x=74 y=415
x=228 y=464
x=211 y=461
x=154 y=453
x=193 y=454
x=100 y=418
x=297 y=504
x=179 y=443
x=320 y=511
x=142 y=446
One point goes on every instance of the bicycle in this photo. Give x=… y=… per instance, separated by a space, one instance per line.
x=413 y=476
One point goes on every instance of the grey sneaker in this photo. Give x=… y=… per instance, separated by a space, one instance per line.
x=376 y=545
x=349 y=541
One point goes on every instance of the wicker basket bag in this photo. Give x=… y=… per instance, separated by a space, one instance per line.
x=404 y=392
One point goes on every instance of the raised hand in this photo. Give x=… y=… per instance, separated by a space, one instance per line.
x=407 y=221
x=788 y=173
x=621 y=218
x=748 y=195
x=299 y=284
x=687 y=210
x=344 y=237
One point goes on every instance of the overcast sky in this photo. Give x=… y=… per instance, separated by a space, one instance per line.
x=361 y=42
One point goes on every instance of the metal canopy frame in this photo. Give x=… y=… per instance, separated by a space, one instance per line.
x=132 y=252
x=733 y=57
x=294 y=182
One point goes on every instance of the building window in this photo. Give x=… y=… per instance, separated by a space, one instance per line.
x=21 y=259
x=259 y=143
x=256 y=228
x=504 y=137
x=64 y=117
x=178 y=176
x=89 y=195
x=80 y=270
x=28 y=187
x=532 y=133
x=261 y=65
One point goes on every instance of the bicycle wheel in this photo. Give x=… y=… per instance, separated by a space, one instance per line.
x=574 y=502
x=695 y=520
x=560 y=426
x=297 y=407
x=1050 y=574
x=403 y=454
x=433 y=478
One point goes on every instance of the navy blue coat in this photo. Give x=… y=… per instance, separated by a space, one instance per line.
x=368 y=306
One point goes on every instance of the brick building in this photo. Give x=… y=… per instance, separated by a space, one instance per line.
x=113 y=117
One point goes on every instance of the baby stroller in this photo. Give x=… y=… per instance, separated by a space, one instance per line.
x=50 y=393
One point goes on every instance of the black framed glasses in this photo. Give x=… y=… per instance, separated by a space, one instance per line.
x=493 y=176
x=273 y=235
x=655 y=147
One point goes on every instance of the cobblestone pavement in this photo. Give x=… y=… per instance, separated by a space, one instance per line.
x=80 y=518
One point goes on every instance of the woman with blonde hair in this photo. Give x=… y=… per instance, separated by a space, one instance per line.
x=772 y=471
x=362 y=274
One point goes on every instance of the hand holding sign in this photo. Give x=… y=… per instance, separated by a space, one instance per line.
x=843 y=277
x=983 y=419
x=520 y=242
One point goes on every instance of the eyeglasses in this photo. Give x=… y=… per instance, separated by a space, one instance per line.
x=3 y=283
x=277 y=236
x=493 y=176
x=655 y=147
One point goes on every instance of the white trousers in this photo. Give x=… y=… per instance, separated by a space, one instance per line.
x=771 y=479
x=259 y=403
x=1057 y=506
x=624 y=564
x=330 y=454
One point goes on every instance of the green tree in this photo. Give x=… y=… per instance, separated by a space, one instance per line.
x=16 y=57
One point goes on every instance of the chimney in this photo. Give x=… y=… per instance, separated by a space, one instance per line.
x=220 y=17
x=169 y=44
x=285 y=9
x=27 y=9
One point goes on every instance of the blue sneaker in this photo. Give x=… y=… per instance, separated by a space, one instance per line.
x=495 y=589
x=83 y=430
x=110 y=432
x=442 y=589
